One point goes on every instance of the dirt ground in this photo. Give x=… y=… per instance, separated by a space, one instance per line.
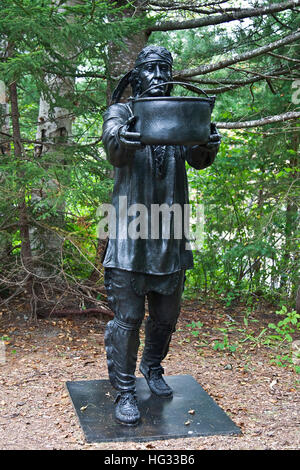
x=36 y=412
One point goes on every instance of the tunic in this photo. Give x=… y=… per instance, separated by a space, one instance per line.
x=150 y=205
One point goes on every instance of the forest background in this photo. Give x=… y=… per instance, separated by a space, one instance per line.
x=60 y=61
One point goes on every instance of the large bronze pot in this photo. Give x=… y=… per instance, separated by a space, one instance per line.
x=173 y=120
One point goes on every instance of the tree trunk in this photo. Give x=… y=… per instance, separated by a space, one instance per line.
x=4 y=121
x=298 y=300
x=26 y=254
x=5 y=238
x=54 y=128
x=121 y=59
x=287 y=278
x=53 y=131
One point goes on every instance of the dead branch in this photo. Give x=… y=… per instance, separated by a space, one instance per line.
x=223 y=18
x=284 y=57
x=259 y=122
x=278 y=74
x=203 y=69
x=103 y=311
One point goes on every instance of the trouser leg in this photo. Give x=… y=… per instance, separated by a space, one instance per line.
x=163 y=315
x=122 y=333
x=122 y=343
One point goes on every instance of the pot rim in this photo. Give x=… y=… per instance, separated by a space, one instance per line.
x=175 y=98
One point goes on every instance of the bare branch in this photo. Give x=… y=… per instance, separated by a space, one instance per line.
x=223 y=18
x=279 y=73
x=201 y=8
x=103 y=311
x=257 y=74
x=203 y=69
x=234 y=84
x=259 y=122
x=284 y=57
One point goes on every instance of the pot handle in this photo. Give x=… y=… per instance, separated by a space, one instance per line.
x=187 y=85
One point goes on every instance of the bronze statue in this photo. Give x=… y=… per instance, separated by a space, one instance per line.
x=140 y=267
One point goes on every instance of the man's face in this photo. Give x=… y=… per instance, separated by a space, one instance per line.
x=153 y=73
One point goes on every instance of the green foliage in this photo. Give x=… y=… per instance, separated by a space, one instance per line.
x=250 y=220
x=282 y=345
x=195 y=326
x=5 y=338
x=58 y=39
x=250 y=194
x=225 y=345
x=287 y=327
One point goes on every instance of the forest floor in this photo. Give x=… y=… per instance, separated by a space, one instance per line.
x=36 y=413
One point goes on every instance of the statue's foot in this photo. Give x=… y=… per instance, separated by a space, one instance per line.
x=127 y=411
x=156 y=382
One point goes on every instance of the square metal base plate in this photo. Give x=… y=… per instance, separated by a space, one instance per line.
x=190 y=413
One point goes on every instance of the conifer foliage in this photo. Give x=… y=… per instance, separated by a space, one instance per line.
x=59 y=61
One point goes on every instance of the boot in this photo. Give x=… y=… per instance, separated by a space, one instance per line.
x=156 y=382
x=157 y=343
x=126 y=411
x=121 y=344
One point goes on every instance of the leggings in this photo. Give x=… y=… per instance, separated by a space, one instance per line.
x=122 y=333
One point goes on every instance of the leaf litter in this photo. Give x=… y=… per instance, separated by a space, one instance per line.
x=260 y=397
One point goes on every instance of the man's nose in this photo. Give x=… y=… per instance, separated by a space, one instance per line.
x=157 y=71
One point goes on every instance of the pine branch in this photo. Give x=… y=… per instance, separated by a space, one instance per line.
x=259 y=122
x=203 y=69
x=223 y=18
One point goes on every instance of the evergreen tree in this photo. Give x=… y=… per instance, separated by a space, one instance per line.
x=60 y=61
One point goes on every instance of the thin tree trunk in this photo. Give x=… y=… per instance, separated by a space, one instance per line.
x=298 y=300
x=5 y=144
x=26 y=254
x=121 y=59
x=291 y=220
x=4 y=121
x=5 y=237
x=54 y=128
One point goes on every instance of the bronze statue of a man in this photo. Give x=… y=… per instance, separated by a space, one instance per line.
x=140 y=267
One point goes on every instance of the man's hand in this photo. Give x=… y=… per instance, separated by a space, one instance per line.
x=214 y=139
x=131 y=140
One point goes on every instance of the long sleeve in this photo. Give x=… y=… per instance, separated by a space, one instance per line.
x=115 y=117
